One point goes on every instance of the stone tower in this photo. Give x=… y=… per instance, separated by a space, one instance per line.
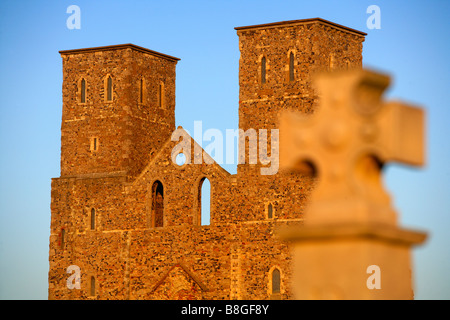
x=277 y=66
x=117 y=101
x=278 y=62
x=118 y=111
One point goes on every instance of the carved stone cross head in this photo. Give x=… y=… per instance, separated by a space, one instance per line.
x=349 y=138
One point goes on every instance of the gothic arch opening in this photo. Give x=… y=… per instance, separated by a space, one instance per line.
x=263 y=70
x=204 y=202
x=275 y=283
x=161 y=95
x=108 y=88
x=92 y=286
x=291 y=67
x=63 y=238
x=157 y=204
x=270 y=210
x=276 y=277
x=83 y=91
x=92 y=219
x=142 y=90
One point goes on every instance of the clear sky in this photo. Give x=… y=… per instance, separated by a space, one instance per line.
x=412 y=46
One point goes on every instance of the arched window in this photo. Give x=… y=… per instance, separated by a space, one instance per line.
x=92 y=219
x=161 y=95
x=141 y=90
x=63 y=237
x=94 y=143
x=92 y=286
x=204 y=201
x=263 y=70
x=83 y=91
x=157 y=204
x=291 y=67
x=109 y=89
x=276 y=280
x=270 y=211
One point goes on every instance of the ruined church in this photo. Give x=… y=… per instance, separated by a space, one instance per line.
x=129 y=217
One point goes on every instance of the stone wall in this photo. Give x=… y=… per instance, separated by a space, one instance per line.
x=121 y=248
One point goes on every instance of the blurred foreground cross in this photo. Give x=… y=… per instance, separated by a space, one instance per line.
x=350 y=246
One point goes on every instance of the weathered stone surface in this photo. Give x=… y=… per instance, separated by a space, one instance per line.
x=127 y=253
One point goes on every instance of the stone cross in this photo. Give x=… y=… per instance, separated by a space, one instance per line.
x=350 y=246
x=347 y=141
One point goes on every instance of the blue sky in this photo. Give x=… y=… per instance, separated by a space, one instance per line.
x=412 y=46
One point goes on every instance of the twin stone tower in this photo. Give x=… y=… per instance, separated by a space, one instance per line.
x=128 y=219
